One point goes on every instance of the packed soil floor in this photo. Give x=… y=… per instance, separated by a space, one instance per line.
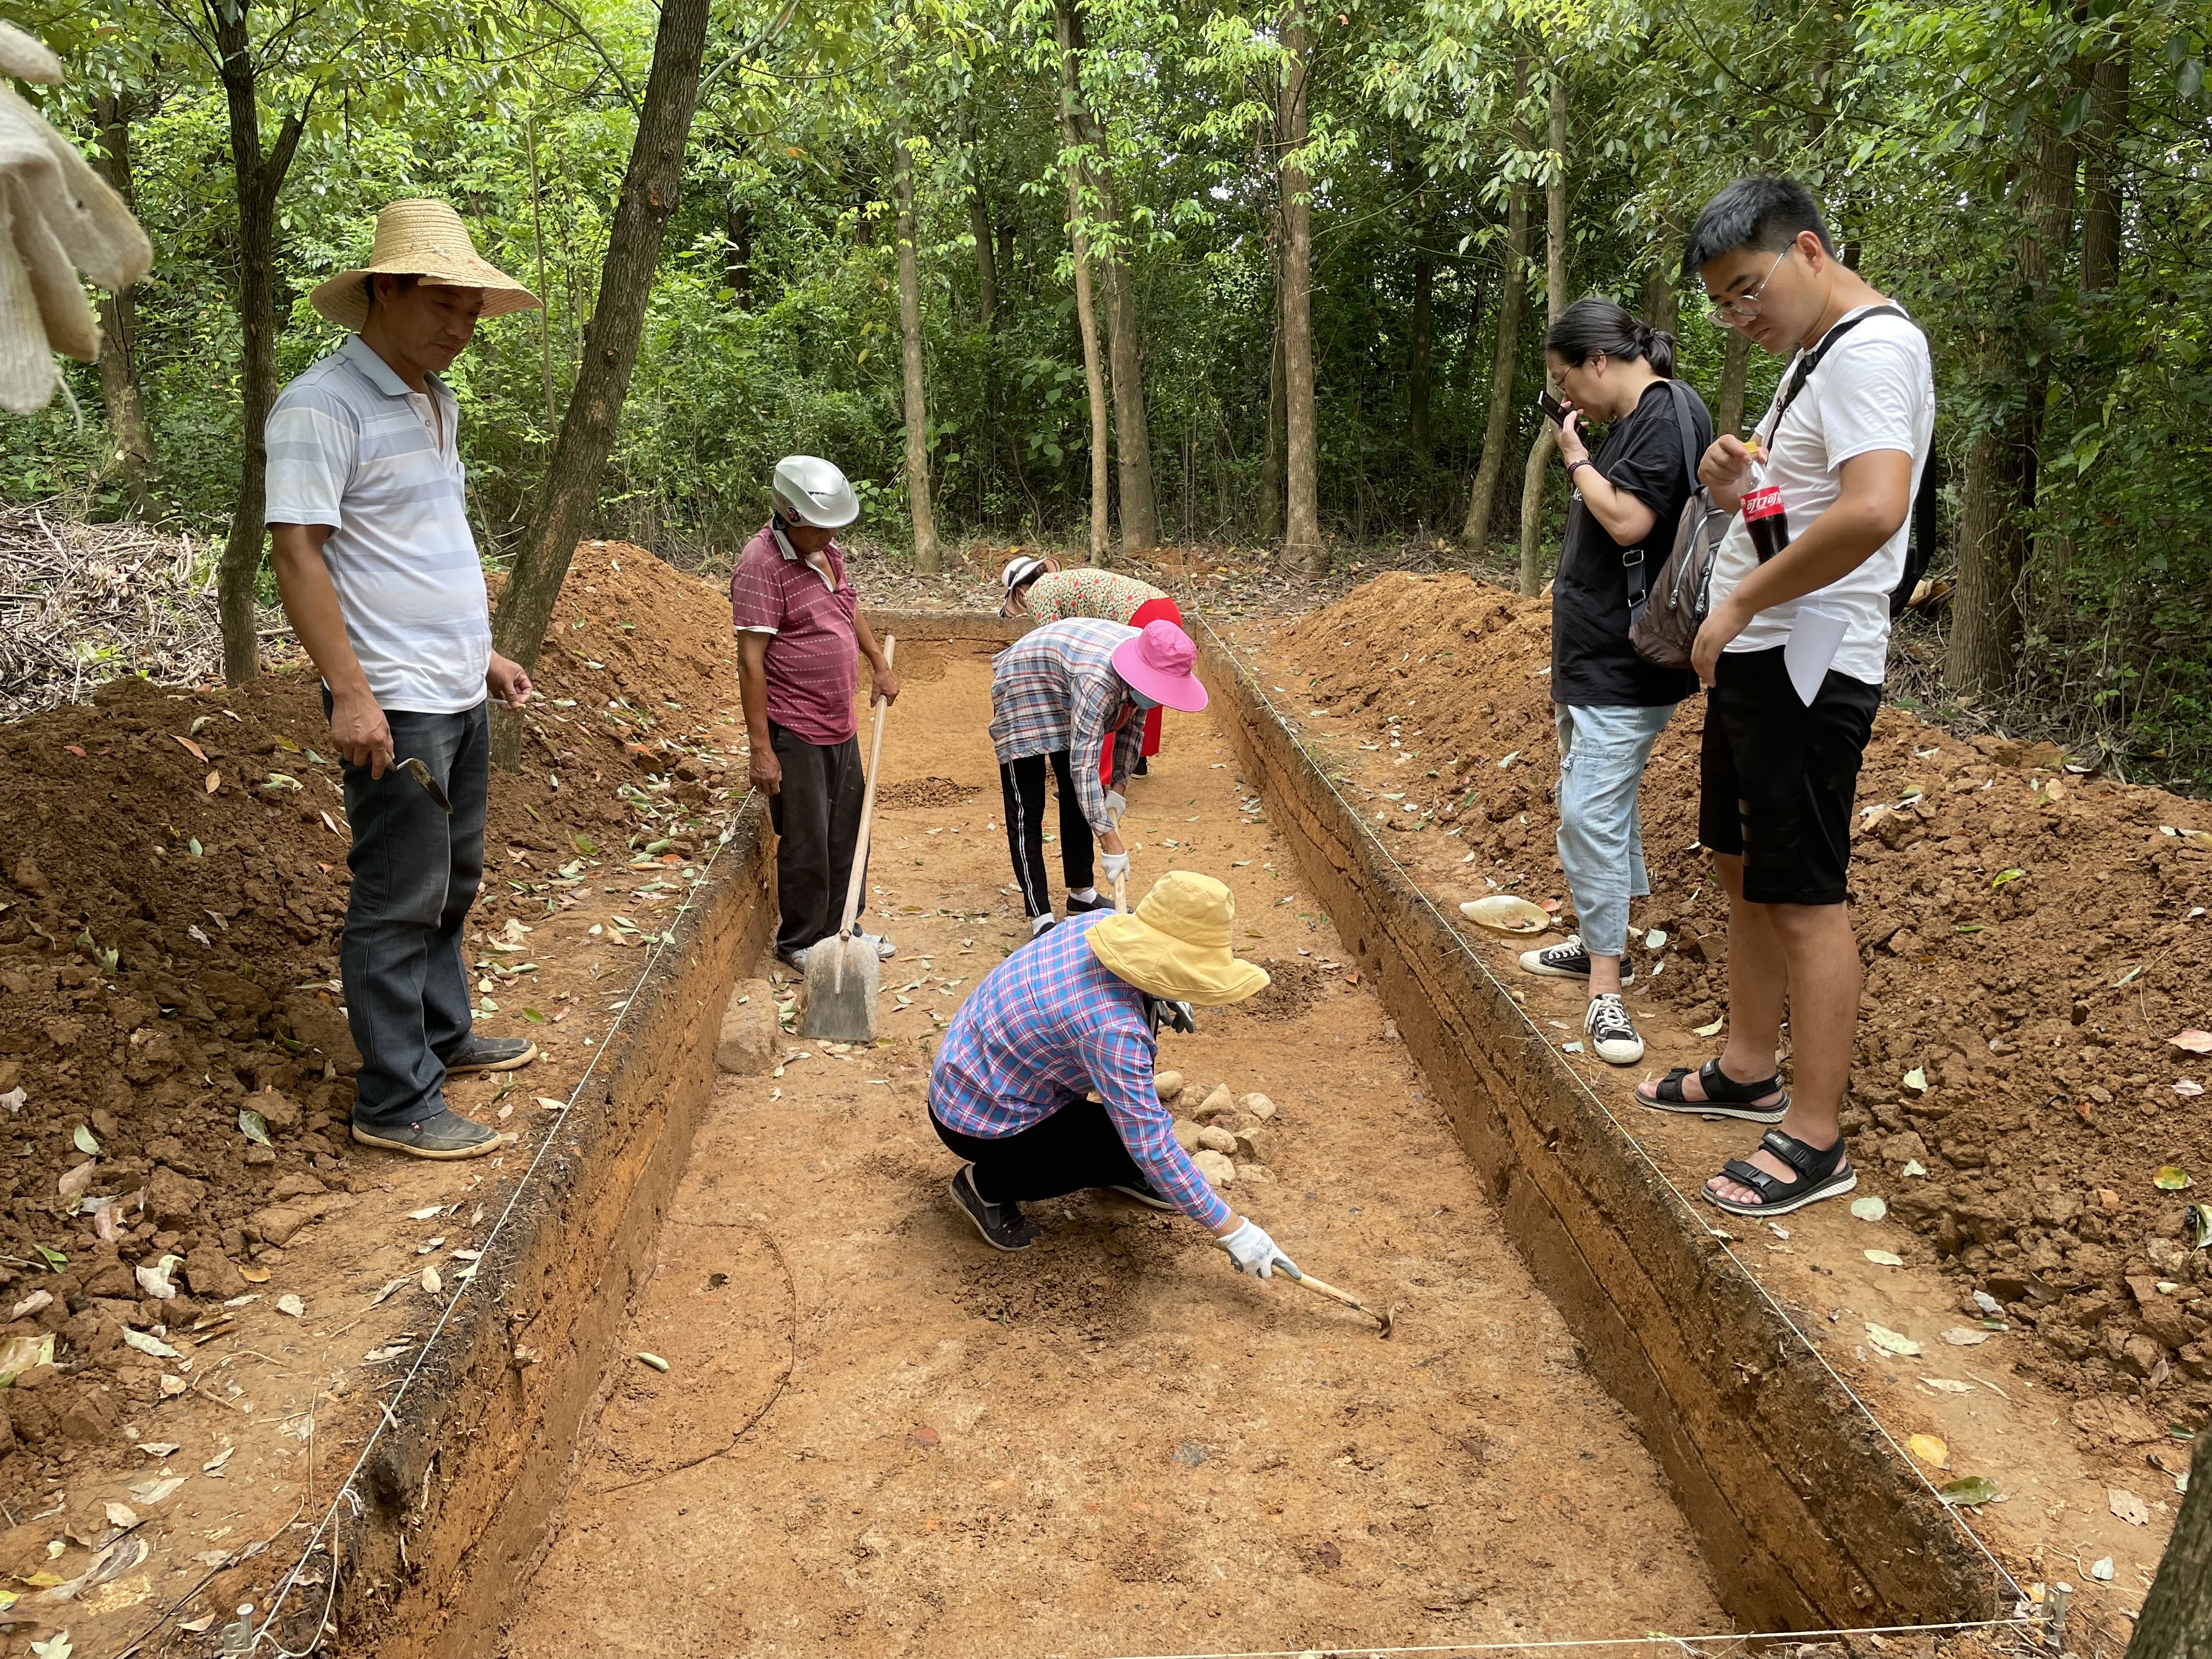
x=877 y=1435
x=2028 y=1092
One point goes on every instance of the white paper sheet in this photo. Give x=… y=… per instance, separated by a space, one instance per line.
x=1814 y=638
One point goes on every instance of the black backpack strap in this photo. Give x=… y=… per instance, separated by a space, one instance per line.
x=1633 y=562
x=1809 y=361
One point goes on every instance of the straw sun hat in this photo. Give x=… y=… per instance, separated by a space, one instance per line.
x=1175 y=944
x=420 y=239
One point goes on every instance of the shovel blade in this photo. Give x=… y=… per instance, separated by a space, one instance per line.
x=843 y=979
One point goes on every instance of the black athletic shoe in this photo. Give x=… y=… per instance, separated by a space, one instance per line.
x=1098 y=900
x=1143 y=770
x=1003 y=1225
x=444 y=1135
x=1145 y=1193
x=483 y=1054
x=1568 y=960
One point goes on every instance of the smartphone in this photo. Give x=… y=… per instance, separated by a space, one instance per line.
x=1552 y=407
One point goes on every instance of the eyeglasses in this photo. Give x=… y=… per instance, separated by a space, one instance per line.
x=1745 y=305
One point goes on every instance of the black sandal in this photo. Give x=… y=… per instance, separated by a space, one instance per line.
x=1724 y=1095
x=1819 y=1177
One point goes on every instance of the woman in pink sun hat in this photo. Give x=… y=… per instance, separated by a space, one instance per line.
x=1070 y=697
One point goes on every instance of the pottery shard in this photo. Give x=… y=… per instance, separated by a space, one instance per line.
x=213 y=1276
x=1219 y=1101
x=1214 y=1138
x=280 y=1221
x=1167 y=1084
x=1186 y=1134
x=315 y=1021
x=174 y=1200
x=278 y=1109
x=1257 y=1105
x=1215 y=1167
x=749 y=1036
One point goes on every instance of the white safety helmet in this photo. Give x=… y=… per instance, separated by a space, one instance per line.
x=809 y=489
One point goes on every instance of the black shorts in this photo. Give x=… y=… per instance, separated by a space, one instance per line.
x=1777 y=779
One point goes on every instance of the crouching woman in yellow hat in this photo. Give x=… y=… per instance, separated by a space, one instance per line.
x=1075 y=1012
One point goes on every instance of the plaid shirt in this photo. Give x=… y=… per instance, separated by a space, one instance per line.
x=1047 y=1025
x=1055 y=688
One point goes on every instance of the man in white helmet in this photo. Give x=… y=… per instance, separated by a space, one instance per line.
x=800 y=637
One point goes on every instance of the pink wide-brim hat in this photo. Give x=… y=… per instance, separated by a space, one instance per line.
x=1158 y=664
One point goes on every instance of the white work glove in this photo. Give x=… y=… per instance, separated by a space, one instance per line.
x=1115 y=805
x=1117 y=867
x=1253 y=1252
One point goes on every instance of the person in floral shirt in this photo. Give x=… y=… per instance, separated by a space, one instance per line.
x=1039 y=588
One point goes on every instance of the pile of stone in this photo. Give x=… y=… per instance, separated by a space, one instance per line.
x=1230 y=1136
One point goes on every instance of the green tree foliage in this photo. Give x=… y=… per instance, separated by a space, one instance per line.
x=2027 y=177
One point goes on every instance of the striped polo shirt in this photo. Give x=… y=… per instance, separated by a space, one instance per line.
x=350 y=446
x=813 y=660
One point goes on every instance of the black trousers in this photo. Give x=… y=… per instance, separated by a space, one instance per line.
x=1022 y=782
x=1076 y=1148
x=416 y=871
x=817 y=824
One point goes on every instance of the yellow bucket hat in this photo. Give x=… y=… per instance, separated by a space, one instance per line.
x=1175 y=944
x=427 y=239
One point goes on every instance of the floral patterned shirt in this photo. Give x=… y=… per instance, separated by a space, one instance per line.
x=1103 y=595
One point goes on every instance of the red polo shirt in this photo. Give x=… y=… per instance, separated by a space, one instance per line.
x=813 y=660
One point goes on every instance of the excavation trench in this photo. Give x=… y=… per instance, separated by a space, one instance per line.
x=875 y=1434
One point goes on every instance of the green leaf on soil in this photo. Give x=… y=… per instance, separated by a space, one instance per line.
x=82 y=1140
x=1891 y=1341
x=1884 y=1258
x=584 y=844
x=2200 y=1225
x=152 y=1345
x=533 y=1016
x=1973 y=1490
x=194 y=847
x=54 y=1259
x=254 y=1127
x=1916 y=1079
x=2170 y=1178
x=2004 y=876
x=1869 y=1208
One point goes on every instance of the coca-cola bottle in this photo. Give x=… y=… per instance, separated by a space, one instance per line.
x=1764 y=514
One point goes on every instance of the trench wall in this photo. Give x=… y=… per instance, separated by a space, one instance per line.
x=1807 y=1517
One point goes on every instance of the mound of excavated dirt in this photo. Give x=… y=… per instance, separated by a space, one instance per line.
x=171 y=882
x=2033 y=939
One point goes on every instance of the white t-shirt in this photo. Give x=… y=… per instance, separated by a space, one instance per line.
x=1874 y=390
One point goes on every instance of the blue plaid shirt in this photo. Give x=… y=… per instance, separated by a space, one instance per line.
x=1055 y=688
x=1047 y=1025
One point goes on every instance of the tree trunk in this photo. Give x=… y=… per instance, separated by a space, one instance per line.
x=1302 y=544
x=651 y=188
x=1555 y=294
x=979 y=224
x=1998 y=495
x=1133 y=452
x=1086 y=314
x=120 y=387
x=926 y=556
x=1420 y=349
x=1662 y=301
x=1736 y=369
x=258 y=178
x=1506 y=353
x=2100 y=200
x=2176 y=1614
x=1271 y=451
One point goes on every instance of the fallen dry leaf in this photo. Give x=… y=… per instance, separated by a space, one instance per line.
x=192 y=749
x=289 y=1303
x=1891 y=1341
x=2198 y=1042
x=2127 y=1506
x=214 y=781
x=431 y=1282
x=1930 y=1450
x=254 y=1275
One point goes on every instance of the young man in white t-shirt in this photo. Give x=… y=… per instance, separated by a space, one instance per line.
x=1844 y=444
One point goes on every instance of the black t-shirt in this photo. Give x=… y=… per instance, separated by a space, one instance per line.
x=1593 y=664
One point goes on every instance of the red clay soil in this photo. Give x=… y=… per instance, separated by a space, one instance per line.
x=199 y=837
x=2033 y=940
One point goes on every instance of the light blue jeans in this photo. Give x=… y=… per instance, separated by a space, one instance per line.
x=1602 y=756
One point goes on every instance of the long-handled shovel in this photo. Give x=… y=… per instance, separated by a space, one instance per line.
x=843 y=975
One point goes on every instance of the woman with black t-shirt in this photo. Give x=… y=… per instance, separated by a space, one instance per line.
x=1608 y=703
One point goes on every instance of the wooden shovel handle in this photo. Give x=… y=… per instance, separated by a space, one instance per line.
x=1321 y=1286
x=867 y=809
x=1121 y=882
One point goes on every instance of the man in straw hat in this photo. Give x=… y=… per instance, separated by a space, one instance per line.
x=1073 y=1014
x=380 y=579
x=1073 y=695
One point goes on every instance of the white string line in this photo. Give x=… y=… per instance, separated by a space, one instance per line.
x=387 y=1418
x=1595 y=1099
x=1339 y=1652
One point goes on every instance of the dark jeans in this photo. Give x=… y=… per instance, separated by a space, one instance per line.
x=416 y=872
x=1076 y=1148
x=817 y=823
x=1022 y=782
